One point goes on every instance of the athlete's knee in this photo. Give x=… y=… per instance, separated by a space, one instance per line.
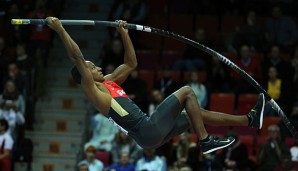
x=187 y=90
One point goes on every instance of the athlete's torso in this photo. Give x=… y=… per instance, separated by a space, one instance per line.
x=123 y=112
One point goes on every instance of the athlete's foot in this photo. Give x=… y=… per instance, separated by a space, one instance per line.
x=255 y=116
x=214 y=143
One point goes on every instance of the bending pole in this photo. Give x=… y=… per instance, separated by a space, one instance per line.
x=183 y=39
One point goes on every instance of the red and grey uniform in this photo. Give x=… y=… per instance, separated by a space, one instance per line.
x=149 y=132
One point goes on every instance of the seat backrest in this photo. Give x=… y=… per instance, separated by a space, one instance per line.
x=222 y=102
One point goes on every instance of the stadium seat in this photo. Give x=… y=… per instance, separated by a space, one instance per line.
x=246 y=102
x=248 y=140
x=229 y=23
x=148 y=59
x=202 y=76
x=173 y=44
x=222 y=102
x=175 y=75
x=148 y=77
x=149 y=41
x=185 y=26
x=209 y=23
x=104 y=157
x=168 y=58
x=267 y=121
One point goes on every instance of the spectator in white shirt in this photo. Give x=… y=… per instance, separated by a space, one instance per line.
x=10 y=112
x=198 y=88
x=94 y=164
x=103 y=132
x=150 y=162
x=6 y=143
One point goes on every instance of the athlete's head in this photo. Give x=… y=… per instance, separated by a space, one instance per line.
x=95 y=71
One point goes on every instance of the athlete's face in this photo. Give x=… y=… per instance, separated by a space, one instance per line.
x=95 y=71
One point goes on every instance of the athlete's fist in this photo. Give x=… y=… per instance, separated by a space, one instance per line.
x=54 y=23
x=121 y=25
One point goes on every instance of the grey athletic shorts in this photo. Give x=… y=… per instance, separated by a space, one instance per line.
x=166 y=122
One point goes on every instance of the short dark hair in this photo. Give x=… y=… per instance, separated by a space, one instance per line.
x=76 y=76
x=4 y=123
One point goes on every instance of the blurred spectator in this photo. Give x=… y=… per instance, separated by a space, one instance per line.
x=235 y=157
x=274 y=89
x=199 y=88
x=23 y=60
x=250 y=33
x=103 y=132
x=41 y=35
x=12 y=93
x=286 y=164
x=166 y=84
x=83 y=166
x=20 y=80
x=6 y=143
x=150 y=162
x=94 y=164
x=156 y=98
x=293 y=118
x=112 y=54
x=123 y=165
x=133 y=11
x=271 y=153
x=166 y=150
x=294 y=63
x=184 y=149
x=123 y=143
x=195 y=59
x=250 y=66
x=9 y=112
x=280 y=29
x=285 y=71
x=219 y=76
x=136 y=89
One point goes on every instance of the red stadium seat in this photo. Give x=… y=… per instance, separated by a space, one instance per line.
x=169 y=58
x=209 y=23
x=222 y=102
x=267 y=121
x=148 y=77
x=248 y=140
x=104 y=157
x=202 y=76
x=181 y=24
x=148 y=59
x=229 y=23
x=172 y=44
x=175 y=75
x=246 y=102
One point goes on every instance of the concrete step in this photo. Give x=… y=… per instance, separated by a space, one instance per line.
x=56 y=148
x=61 y=137
x=67 y=101
x=47 y=166
x=59 y=125
x=47 y=114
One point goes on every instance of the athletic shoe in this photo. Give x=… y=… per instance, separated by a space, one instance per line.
x=256 y=114
x=215 y=143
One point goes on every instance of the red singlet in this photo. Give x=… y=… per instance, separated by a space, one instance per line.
x=115 y=89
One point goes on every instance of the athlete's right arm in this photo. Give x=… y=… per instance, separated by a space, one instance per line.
x=76 y=56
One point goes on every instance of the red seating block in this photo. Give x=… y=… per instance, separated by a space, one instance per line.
x=208 y=23
x=148 y=59
x=148 y=77
x=222 y=102
x=169 y=58
x=175 y=75
x=246 y=102
x=104 y=157
x=267 y=121
x=229 y=23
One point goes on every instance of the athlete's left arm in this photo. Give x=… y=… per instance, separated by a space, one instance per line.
x=120 y=74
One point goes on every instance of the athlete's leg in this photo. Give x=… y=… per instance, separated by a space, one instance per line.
x=222 y=119
x=188 y=100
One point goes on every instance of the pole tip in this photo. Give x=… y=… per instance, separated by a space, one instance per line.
x=16 y=21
